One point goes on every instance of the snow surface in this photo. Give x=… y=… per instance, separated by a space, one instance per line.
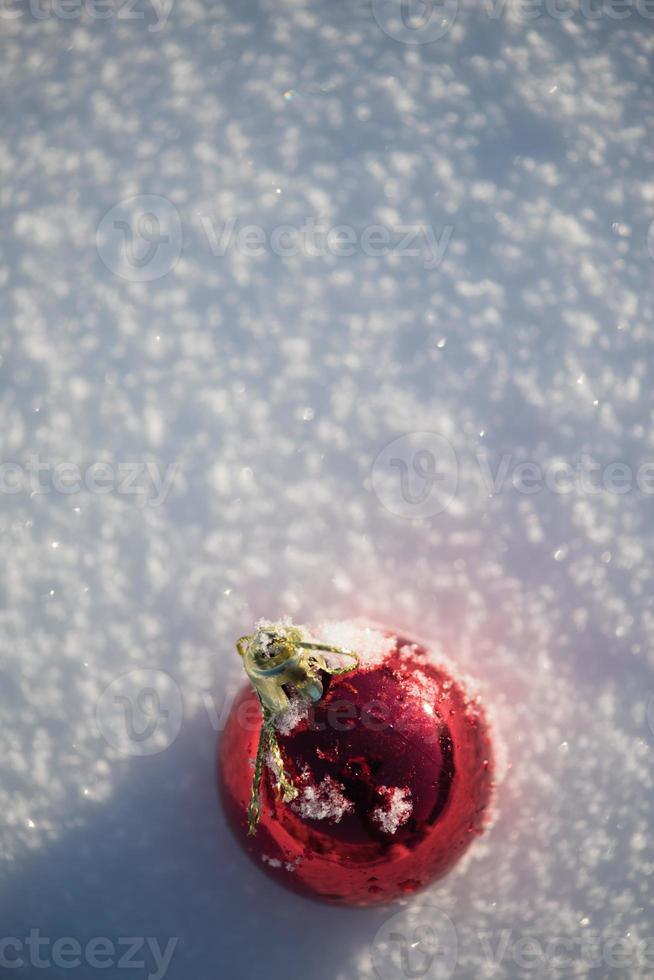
x=260 y=390
x=371 y=645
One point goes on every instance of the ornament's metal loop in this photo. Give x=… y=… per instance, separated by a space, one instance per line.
x=341 y=651
x=276 y=656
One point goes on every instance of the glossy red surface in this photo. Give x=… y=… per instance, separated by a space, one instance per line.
x=394 y=767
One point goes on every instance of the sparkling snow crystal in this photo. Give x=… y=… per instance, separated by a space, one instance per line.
x=323 y=801
x=396 y=810
x=371 y=644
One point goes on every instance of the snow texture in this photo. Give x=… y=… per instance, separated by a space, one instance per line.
x=325 y=800
x=251 y=395
x=297 y=711
x=396 y=810
x=372 y=645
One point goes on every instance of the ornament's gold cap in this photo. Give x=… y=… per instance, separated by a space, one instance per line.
x=278 y=656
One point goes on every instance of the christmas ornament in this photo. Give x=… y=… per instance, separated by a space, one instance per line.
x=354 y=768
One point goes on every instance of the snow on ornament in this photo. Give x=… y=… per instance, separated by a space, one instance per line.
x=354 y=768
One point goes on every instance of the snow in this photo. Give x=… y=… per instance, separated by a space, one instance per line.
x=396 y=810
x=325 y=800
x=198 y=434
x=297 y=711
x=371 y=645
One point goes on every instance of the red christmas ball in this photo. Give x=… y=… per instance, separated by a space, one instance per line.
x=392 y=767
